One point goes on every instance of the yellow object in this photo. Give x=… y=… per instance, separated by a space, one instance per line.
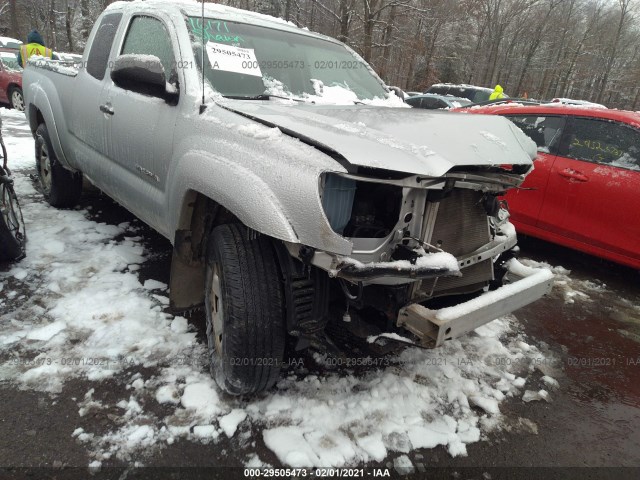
x=30 y=49
x=497 y=93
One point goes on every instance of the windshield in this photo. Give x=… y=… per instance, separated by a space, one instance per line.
x=248 y=61
x=460 y=102
x=473 y=94
x=10 y=62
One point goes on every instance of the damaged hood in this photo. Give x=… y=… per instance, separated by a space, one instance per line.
x=416 y=141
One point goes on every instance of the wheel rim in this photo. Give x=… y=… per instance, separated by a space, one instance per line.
x=216 y=326
x=17 y=101
x=12 y=214
x=45 y=166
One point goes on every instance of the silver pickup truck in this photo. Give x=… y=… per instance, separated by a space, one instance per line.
x=290 y=180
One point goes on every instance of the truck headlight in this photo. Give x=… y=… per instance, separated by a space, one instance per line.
x=337 y=200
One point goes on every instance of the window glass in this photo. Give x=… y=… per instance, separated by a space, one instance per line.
x=479 y=96
x=101 y=46
x=438 y=89
x=10 y=62
x=248 y=60
x=433 y=103
x=545 y=131
x=148 y=36
x=414 y=102
x=605 y=142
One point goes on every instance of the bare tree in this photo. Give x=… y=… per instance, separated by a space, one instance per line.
x=584 y=48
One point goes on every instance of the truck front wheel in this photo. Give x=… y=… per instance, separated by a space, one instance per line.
x=245 y=310
x=61 y=187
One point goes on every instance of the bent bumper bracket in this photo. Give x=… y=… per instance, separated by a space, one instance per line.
x=434 y=327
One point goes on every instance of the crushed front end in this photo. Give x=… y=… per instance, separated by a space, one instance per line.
x=435 y=254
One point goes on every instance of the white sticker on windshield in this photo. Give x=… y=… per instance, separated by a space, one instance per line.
x=233 y=59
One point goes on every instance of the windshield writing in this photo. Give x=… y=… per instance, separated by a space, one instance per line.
x=247 y=61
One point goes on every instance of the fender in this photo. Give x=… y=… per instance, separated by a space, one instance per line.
x=39 y=101
x=233 y=187
x=253 y=201
x=244 y=195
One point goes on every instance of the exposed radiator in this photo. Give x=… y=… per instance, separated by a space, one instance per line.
x=461 y=226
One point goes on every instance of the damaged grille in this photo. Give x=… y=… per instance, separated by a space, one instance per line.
x=461 y=226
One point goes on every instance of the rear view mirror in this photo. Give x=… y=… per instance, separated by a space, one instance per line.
x=142 y=74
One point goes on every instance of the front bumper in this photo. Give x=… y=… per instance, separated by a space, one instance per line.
x=434 y=327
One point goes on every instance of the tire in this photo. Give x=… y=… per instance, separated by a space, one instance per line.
x=245 y=311
x=61 y=187
x=12 y=232
x=17 y=99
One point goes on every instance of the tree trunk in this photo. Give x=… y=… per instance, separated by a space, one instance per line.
x=386 y=41
x=85 y=27
x=67 y=22
x=287 y=10
x=13 y=13
x=345 y=20
x=52 y=43
x=624 y=6
x=552 y=88
x=368 y=34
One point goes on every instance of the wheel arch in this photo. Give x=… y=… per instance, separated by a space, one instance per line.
x=38 y=110
x=198 y=215
x=13 y=85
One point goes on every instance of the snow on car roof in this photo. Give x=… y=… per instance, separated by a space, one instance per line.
x=461 y=85
x=571 y=101
x=5 y=40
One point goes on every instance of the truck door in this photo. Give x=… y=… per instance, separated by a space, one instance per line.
x=141 y=126
x=86 y=123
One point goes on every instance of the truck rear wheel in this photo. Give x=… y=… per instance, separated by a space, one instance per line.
x=245 y=310
x=61 y=187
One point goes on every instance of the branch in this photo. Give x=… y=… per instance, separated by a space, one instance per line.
x=327 y=9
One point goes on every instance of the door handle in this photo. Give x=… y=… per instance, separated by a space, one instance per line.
x=106 y=109
x=573 y=175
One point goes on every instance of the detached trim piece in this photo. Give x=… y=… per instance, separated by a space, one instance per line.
x=434 y=327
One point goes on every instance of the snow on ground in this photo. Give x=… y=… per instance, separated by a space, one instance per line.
x=88 y=316
x=19 y=142
x=571 y=289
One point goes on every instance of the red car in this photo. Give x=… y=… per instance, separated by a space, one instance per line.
x=584 y=192
x=11 y=80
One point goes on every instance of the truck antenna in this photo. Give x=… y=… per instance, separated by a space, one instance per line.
x=203 y=107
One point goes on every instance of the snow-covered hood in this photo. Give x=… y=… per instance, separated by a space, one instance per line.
x=414 y=141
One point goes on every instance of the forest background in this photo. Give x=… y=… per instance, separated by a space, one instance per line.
x=582 y=49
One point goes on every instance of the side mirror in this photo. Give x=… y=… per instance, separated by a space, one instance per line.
x=399 y=93
x=142 y=74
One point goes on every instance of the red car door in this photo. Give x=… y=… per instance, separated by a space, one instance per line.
x=525 y=203
x=593 y=193
x=4 y=81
